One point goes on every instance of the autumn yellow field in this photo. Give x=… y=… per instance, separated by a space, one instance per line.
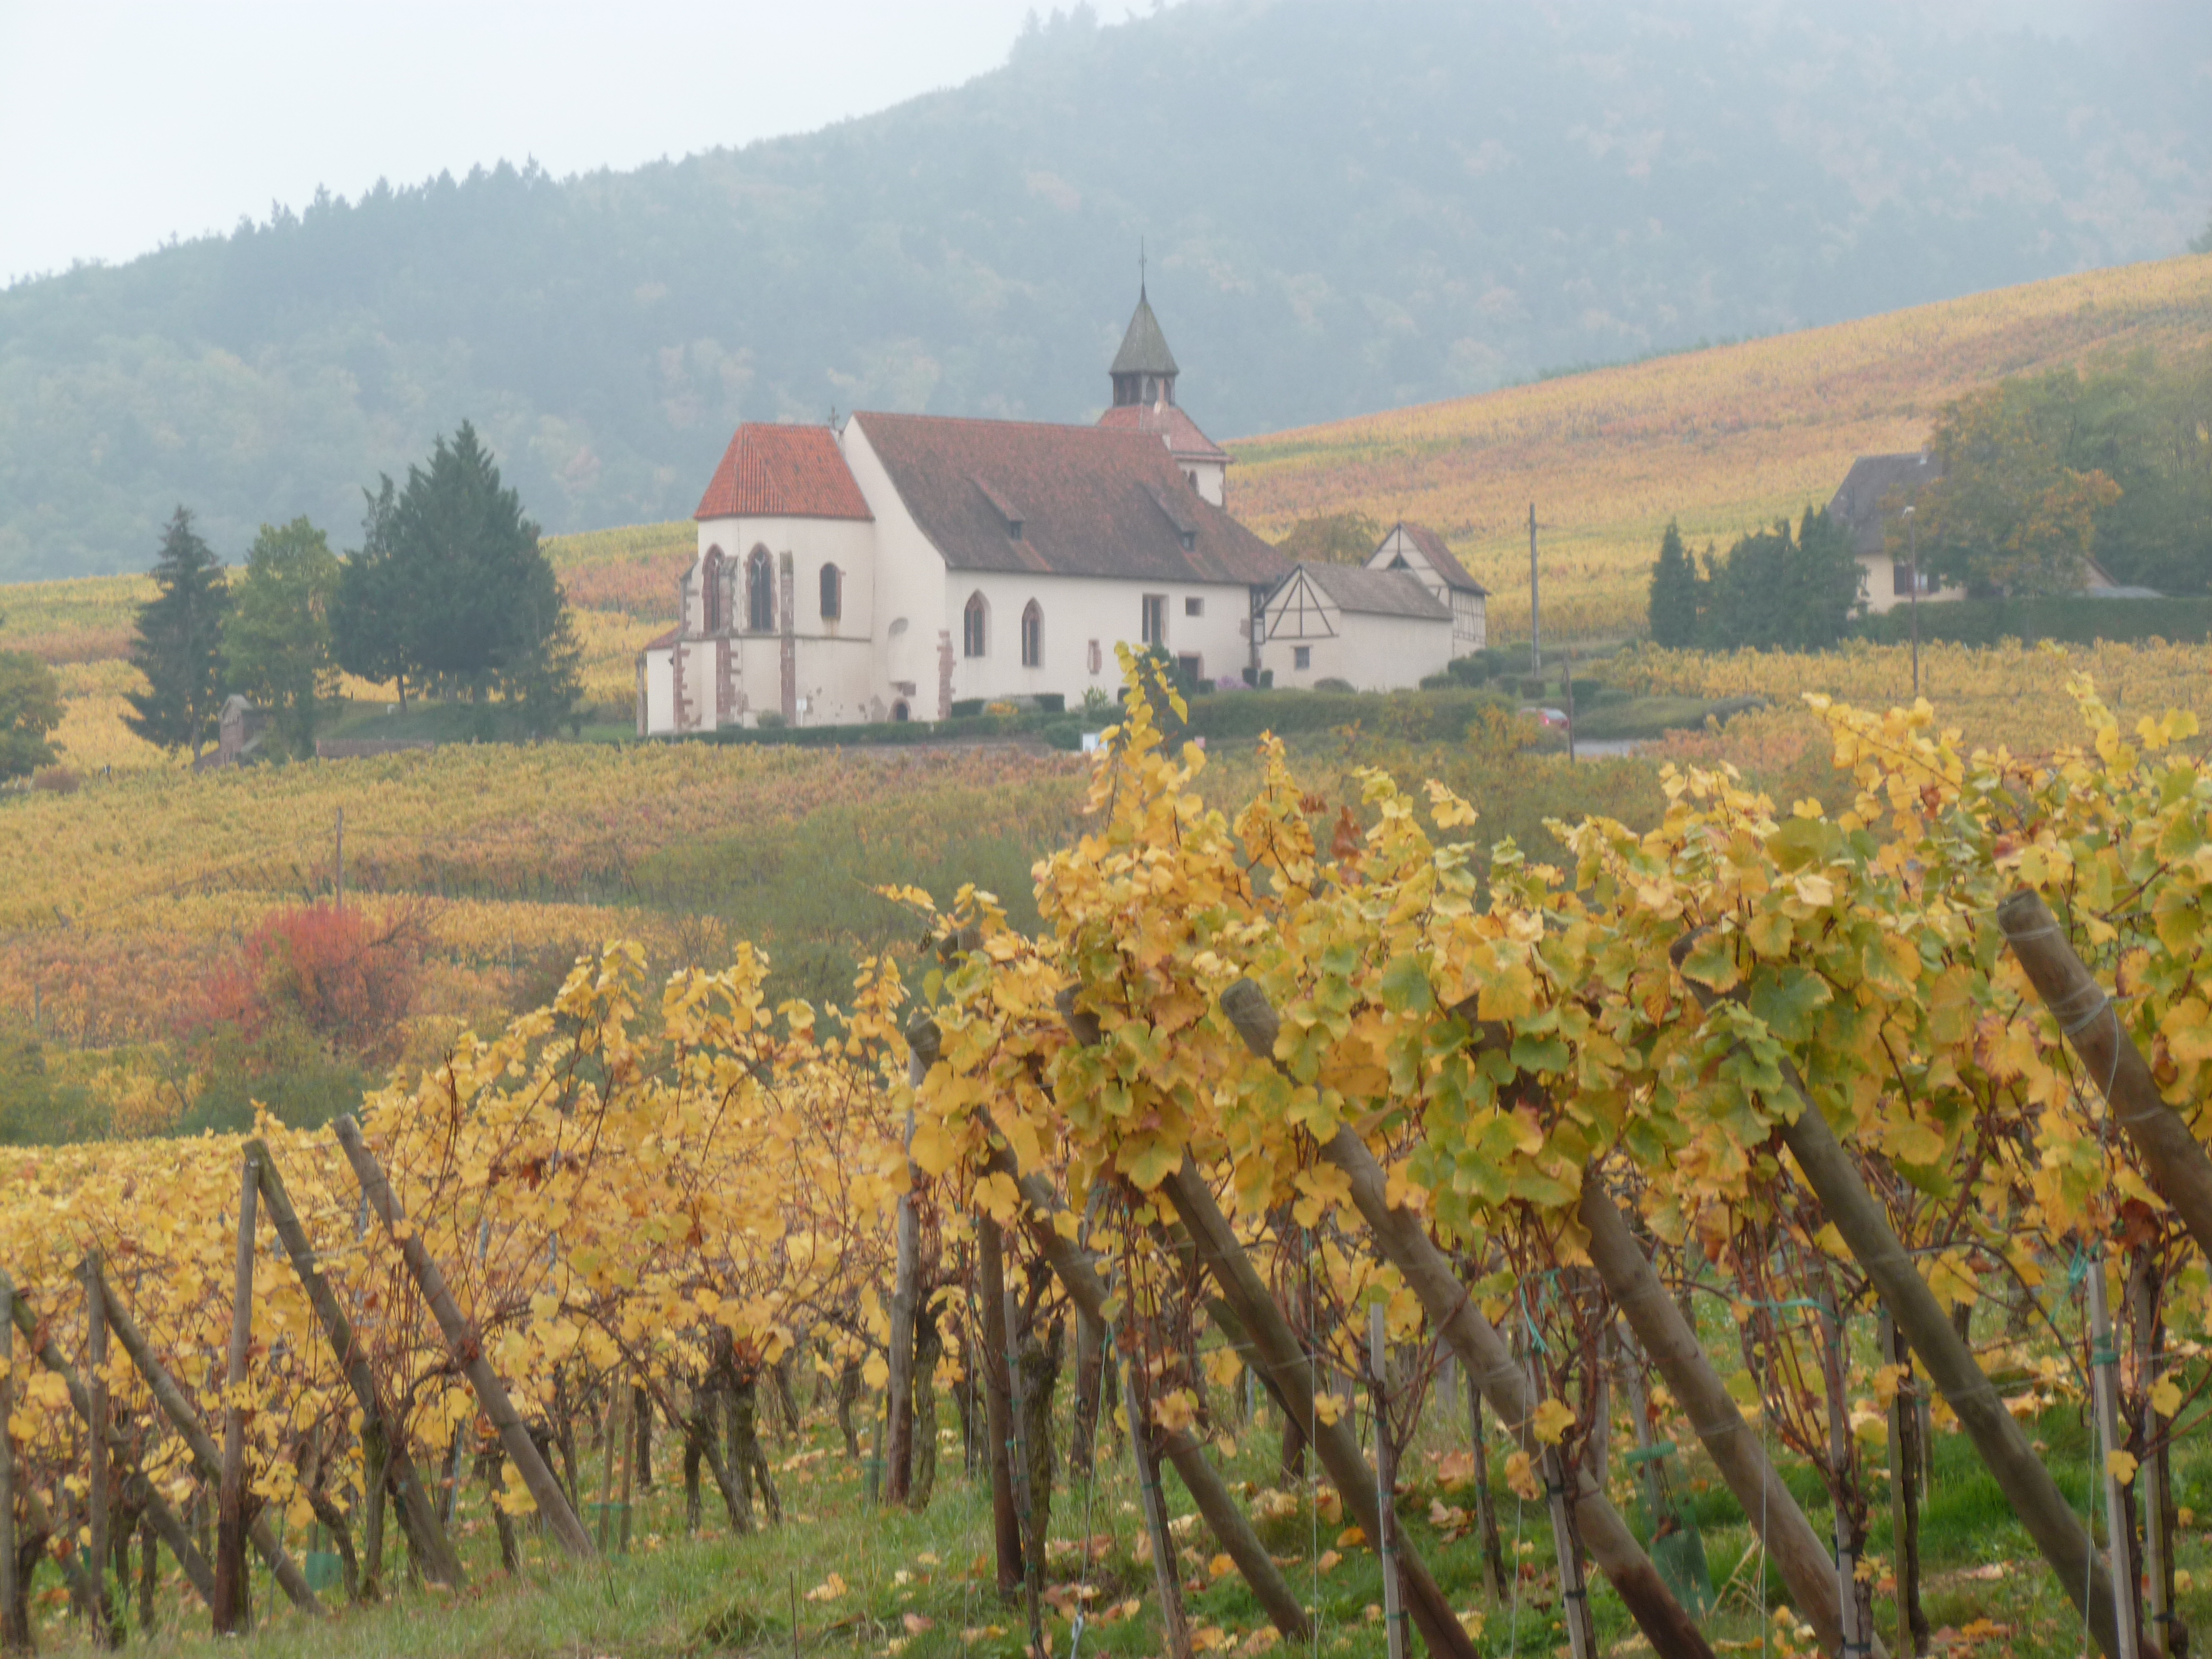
x=1726 y=440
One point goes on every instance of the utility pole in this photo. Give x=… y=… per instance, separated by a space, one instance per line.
x=341 y=858
x=1913 y=537
x=1535 y=608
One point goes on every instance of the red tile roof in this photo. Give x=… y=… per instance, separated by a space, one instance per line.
x=1440 y=558
x=775 y=472
x=1184 y=440
x=1089 y=502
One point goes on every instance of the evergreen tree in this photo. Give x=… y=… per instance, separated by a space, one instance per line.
x=179 y=647
x=1677 y=594
x=451 y=588
x=277 y=645
x=367 y=612
x=1777 y=591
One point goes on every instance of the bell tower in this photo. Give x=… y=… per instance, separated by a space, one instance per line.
x=1144 y=371
x=1144 y=375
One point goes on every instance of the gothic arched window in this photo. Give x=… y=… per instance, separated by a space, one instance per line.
x=759 y=591
x=975 y=623
x=1033 y=636
x=710 y=591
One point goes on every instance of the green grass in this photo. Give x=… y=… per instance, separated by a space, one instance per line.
x=672 y=1596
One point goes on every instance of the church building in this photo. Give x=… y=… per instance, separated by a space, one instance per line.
x=890 y=568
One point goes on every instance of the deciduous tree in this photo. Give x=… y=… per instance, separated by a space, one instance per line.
x=277 y=642
x=2012 y=513
x=30 y=708
x=179 y=647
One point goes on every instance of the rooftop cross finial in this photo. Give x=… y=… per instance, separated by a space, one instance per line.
x=1140 y=267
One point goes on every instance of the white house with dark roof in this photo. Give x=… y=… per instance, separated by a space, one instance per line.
x=1374 y=629
x=1873 y=502
x=1421 y=553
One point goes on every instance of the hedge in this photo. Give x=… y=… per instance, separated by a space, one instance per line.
x=2070 y=620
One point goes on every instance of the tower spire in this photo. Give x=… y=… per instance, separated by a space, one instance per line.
x=1144 y=370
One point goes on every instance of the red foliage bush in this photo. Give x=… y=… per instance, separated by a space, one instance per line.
x=348 y=980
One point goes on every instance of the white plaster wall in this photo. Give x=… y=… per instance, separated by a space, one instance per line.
x=1077 y=610
x=1878 y=585
x=1369 y=653
x=910 y=584
x=1470 y=622
x=848 y=543
x=660 y=690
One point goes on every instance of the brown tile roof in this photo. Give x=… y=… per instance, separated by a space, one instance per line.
x=660 y=640
x=1184 y=440
x=777 y=471
x=1441 y=558
x=1376 y=593
x=1089 y=502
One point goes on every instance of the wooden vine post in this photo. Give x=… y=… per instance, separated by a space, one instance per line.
x=463 y=1343
x=1386 y=1481
x=1248 y=1298
x=906 y=1299
x=1136 y=1400
x=998 y=1433
x=2104 y=1388
x=433 y=1551
x=2155 y=1480
x=1405 y=1242
x=99 y=1499
x=1024 y=1493
x=1857 y=1631
x=206 y=1457
x=138 y=1489
x=1905 y=1482
x=1232 y=1528
x=1864 y=1226
x=232 y=1609
x=15 y=1633
x=2174 y=1161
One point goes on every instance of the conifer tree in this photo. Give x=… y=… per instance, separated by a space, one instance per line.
x=1677 y=594
x=179 y=647
x=452 y=588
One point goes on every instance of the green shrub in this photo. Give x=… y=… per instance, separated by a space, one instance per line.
x=1330 y=682
x=2071 y=619
x=1051 y=702
x=966 y=708
x=769 y=719
x=1064 y=734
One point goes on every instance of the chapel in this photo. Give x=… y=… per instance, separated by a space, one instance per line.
x=892 y=566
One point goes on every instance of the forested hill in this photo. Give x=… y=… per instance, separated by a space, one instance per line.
x=1349 y=206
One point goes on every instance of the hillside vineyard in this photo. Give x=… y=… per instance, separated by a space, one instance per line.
x=1346 y=1095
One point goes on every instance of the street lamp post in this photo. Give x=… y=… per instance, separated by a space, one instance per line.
x=1912 y=537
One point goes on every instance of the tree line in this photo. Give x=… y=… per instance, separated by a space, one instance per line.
x=2044 y=480
x=450 y=592
x=1774 y=590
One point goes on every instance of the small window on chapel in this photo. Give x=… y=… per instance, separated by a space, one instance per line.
x=1194 y=607
x=832 y=592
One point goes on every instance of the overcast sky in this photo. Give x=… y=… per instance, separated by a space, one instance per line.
x=125 y=122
